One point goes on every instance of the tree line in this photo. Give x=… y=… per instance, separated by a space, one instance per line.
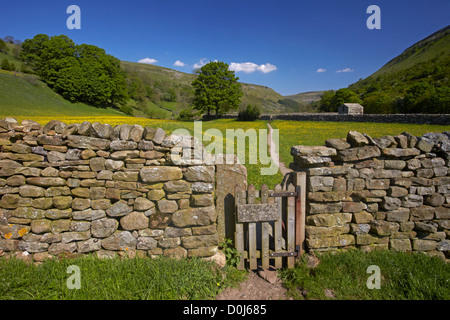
x=421 y=97
x=79 y=73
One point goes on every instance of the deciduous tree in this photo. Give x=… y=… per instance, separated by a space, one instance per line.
x=216 y=89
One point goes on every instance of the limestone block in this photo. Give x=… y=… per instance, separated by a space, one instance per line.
x=31 y=191
x=398 y=215
x=402 y=245
x=383 y=228
x=89 y=245
x=191 y=242
x=423 y=245
x=331 y=207
x=103 y=228
x=146 y=243
x=357 y=139
x=134 y=221
x=322 y=232
x=167 y=206
x=160 y=174
x=119 y=240
x=200 y=173
x=338 y=144
x=398 y=152
x=326 y=242
x=84 y=142
x=313 y=151
x=201 y=216
x=319 y=183
x=119 y=209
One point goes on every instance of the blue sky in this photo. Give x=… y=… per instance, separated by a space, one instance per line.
x=282 y=44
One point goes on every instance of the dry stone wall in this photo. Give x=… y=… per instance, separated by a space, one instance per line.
x=378 y=193
x=94 y=188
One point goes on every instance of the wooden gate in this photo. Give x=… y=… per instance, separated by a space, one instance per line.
x=270 y=224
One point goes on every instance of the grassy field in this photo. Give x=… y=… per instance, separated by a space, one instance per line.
x=344 y=276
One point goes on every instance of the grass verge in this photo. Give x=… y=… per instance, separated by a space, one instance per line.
x=344 y=276
x=115 y=279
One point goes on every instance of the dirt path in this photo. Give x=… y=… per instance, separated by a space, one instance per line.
x=255 y=288
x=274 y=155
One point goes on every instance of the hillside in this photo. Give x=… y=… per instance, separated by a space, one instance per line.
x=307 y=97
x=411 y=79
x=434 y=48
x=23 y=95
x=154 y=91
x=160 y=80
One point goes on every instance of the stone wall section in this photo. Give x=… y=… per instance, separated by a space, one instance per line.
x=391 y=192
x=437 y=119
x=93 y=188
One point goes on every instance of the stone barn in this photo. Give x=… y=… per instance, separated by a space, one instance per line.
x=351 y=108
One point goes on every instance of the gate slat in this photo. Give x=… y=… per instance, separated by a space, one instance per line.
x=278 y=230
x=252 y=231
x=265 y=230
x=239 y=235
x=291 y=225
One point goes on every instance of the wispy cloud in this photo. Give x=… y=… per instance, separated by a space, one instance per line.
x=345 y=70
x=200 y=64
x=148 y=61
x=249 y=67
x=178 y=63
x=320 y=70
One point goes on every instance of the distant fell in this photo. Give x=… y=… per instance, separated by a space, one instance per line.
x=307 y=97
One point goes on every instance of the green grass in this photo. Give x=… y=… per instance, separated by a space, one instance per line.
x=127 y=279
x=343 y=275
x=404 y=276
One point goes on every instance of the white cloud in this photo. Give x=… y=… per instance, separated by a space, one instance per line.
x=320 y=70
x=246 y=67
x=200 y=64
x=345 y=70
x=178 y=63
x=148 y=61
x=266 y=68
x=249 y=67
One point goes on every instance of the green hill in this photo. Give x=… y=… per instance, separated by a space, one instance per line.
x=414 y=81
x=155 y=84
x=434 y=49
x=307 y=97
